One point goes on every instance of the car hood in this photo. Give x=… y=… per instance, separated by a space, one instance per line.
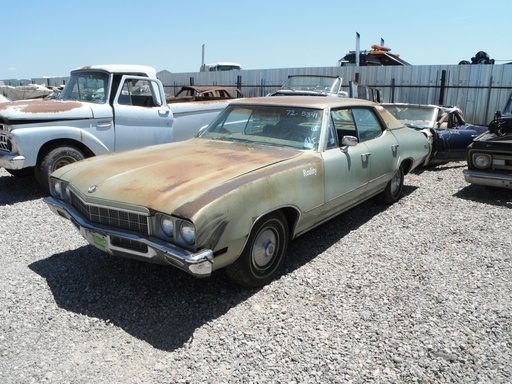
x=489 y=138
x=37 y=110
x=164 y=177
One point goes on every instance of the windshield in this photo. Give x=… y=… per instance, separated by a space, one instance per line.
x=86 y=86
x=313 y=84
x=414 y=116
x=269 y=125
x=507 y=112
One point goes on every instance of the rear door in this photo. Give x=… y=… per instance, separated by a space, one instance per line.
x=383 y=148
x=141 y=115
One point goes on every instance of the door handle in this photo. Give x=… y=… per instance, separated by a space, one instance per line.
x=104 y=124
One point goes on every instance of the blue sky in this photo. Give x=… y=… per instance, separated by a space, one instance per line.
x=49 y=38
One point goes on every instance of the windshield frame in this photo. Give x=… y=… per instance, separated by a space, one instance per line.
x=320 y=84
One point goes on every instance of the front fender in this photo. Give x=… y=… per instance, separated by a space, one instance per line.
x=97 y=136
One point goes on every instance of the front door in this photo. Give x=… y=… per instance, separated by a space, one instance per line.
x=141 y=117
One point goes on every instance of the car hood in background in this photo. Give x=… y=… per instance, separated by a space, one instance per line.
x=164 y=177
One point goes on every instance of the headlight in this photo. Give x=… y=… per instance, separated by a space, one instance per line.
x=188 y=232
x=481 y=160
x=167 y=225
x=59 y=189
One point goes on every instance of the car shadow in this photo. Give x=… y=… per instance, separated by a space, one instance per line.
x=19 y=189
x=306 y=247
x=487 y=195
x=158 y=304
x=438 y=168
x=162 y=305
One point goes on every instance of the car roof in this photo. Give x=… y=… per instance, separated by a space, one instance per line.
x=304 y=101
x=121 y=68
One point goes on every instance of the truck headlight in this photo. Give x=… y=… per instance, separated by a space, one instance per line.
x=188 y=232
x=481 y=160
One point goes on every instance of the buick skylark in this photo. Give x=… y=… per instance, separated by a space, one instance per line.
x=265 y=171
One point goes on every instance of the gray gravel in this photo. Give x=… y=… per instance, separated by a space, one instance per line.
x=417 y=292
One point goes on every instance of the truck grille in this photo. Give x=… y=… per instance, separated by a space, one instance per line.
x=502 y=162
x=4 y=143
x=114 y=218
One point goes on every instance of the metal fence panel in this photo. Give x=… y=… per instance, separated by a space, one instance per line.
x=479 y=90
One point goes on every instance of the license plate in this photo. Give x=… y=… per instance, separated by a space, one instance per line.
x=100 y=241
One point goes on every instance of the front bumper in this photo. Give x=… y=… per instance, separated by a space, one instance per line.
x=491 y=179
x=198 y=264
x=10 y=161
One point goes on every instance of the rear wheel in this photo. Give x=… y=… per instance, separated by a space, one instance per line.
x=55 y=159
x=263 y=254
x=393 y=190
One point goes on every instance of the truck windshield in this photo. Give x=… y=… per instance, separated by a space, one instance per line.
x=507 y=112
x=87 y=86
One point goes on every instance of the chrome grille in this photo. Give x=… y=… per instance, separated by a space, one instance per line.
x=502 y=162
x=111 y=217
x=4 y=143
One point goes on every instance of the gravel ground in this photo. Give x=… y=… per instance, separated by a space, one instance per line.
x=417 y=292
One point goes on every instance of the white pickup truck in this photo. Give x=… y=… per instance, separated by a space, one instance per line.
x=102 y=108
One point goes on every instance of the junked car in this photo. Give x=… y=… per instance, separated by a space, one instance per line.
x=449 y=133
x=311 y=85
x=205 y=93
x=490 y=154
x=264 y=171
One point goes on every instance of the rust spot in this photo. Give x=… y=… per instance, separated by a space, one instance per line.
x=40 y=106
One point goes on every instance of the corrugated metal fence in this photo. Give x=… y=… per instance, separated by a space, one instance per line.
x=479 y=90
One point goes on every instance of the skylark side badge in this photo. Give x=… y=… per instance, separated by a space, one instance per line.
x=309 y=172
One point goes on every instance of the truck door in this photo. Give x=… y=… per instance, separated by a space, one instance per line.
x=141 y=115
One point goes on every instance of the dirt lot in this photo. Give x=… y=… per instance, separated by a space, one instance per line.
x=417 y=292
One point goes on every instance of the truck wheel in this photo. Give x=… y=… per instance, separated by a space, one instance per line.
x=55 y=159
x=263 y=254
x=393 y=190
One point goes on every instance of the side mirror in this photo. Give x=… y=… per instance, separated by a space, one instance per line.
x=349 y=141
x=497 y=115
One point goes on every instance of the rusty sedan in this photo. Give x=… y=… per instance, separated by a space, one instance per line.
x=265 y=171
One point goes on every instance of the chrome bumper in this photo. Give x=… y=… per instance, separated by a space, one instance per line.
x=198 y=264
x=9 y=161
x=491 y=179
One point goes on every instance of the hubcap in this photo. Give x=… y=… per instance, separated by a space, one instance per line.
x=395 y=183
x=264 y=248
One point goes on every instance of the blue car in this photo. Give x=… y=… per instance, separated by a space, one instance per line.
x=449 y=133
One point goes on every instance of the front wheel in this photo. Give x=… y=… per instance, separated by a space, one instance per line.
x=55 y=159
x=393 y=190
x=263 y=254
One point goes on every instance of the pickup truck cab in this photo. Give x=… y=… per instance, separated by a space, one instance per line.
x=102 y=108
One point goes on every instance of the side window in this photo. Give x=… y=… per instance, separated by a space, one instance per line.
x=141 y=93
x=343 y=121
x=367 y=123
